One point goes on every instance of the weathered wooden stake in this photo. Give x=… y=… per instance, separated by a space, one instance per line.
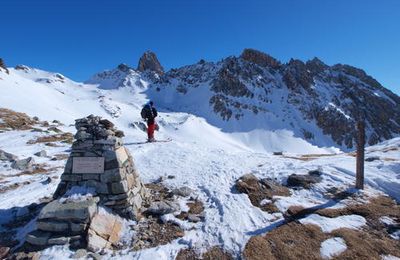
x=360 y=155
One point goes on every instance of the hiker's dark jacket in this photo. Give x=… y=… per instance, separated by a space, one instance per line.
x=149 y=113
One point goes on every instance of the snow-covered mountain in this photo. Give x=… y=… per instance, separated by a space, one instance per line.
x=258 y=95
x=317 y=102
x=225 y=119
x=254 y=98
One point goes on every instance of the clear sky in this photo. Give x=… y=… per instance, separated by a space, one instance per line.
x=81 y=37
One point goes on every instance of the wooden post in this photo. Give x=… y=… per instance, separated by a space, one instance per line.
x=360 y=155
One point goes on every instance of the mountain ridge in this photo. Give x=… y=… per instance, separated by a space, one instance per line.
x=254 y=91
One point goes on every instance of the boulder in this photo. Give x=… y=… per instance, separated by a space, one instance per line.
x=4 y=251
x=73 y=210
x=4 y=156
x=305 y=181
x=23 y=164
x=372 y=158
x=41 y=153
x=182 y=191
x=107 y=226
x=163 y=207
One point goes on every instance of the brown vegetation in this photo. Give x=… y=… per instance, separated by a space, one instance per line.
x=291 y=241
x=258 y=190
x=371 y=211
x=366 y=244
x=296 y=241
x=196 y=207
x=15 y=120
x=64 y=137
x=214 y=253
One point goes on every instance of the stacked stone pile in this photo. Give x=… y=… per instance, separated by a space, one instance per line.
x=99 y=180
x=79 y=222
x=99 y=160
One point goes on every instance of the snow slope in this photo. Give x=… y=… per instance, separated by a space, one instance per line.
x=201 y=157
x=119 y=95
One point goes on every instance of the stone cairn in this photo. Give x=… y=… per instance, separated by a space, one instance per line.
x=99 y=179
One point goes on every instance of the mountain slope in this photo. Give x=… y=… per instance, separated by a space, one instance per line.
x=317 y=102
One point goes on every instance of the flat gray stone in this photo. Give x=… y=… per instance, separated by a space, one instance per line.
x=58 y=241
x=41 y=153
x=71 y=177
x=163 y=207
x=182 y=191
x=52 y=226
x=101 y=188
x=23 y=164
x=80 y=253
x=78 y=227
x=113 y=175
x=4 y=156
x=88 y=176
x=119 y=187
x=38 y=238
x=76 y=210
x=193 y=218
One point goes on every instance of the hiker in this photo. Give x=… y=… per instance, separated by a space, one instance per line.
x=149 y=113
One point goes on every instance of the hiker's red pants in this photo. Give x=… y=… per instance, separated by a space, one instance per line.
x=150 y=130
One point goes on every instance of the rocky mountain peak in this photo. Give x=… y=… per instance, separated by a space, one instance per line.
x=260 y=58
x=316 y=66
x=3 y=65
x=123 y=67
x=149 y=61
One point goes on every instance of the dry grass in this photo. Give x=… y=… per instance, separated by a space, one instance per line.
x=187 y=254
x=64 y=137
x=151 y=233
x=389 y=159
x=13 y=186
x=196 y=207
x=292 y=241
x=296 y=241
x=217 y=253
x=317 y=155
x=298 y=158
x=214 y=253
x=307 y=157
x=372 y=211
x=258 y=190
x=366 y=245
x=15 y=120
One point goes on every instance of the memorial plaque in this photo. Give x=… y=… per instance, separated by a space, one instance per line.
x=88 y=165
x=121 y=154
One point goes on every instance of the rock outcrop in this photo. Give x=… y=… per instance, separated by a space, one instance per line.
x=149 y=62
x=304 y=97
x=260 y=58
x=3 y=66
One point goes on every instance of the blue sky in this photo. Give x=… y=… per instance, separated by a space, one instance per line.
x=79 y=38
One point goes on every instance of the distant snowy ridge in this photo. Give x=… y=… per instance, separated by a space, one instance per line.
x=255 y=99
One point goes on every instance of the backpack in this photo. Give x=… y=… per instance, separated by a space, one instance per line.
x=147 y=112
x=143 y=113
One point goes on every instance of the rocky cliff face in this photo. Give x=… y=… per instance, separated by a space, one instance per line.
x=310 y=98
x=149 y=62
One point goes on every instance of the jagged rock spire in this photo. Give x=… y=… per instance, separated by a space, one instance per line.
x=260 y=58
x=149 y=62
